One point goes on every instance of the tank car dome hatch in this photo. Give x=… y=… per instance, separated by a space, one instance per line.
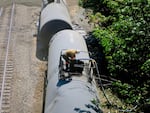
x=83 y=69
x=53 y=18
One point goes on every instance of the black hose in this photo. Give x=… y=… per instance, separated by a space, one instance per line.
x=103 y=90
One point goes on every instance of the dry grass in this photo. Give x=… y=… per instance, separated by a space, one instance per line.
x=115 y=101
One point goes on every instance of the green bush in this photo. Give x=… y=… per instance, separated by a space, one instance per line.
x=123 y=30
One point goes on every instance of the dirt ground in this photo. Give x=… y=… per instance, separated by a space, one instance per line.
x=28 y=79
x=29 y=72
x=23 y=2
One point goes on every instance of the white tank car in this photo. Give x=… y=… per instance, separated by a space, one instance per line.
x=76 y=92
x=54 y=17
x=70 y=83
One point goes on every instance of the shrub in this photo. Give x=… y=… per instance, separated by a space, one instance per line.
x=123 y=30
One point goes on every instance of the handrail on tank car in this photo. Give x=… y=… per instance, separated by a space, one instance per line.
x=89 y=67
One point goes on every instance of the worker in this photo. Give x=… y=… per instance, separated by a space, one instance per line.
x=69 y=55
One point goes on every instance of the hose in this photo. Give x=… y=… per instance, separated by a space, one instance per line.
x=103 y=90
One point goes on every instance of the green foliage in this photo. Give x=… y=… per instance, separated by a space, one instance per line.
x=113 y=48
x=128 y=93
x=97 y=18
x=123 y=30
x=94 y=4
x=146 y=67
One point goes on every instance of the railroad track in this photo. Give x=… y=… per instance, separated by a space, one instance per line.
x=6 y=58
x=1 y=11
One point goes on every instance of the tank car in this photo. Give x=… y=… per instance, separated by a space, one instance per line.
x=54 y=17
x=73 y=90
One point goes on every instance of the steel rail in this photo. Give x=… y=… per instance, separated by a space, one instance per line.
x=7 y=52
x=1 y=11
